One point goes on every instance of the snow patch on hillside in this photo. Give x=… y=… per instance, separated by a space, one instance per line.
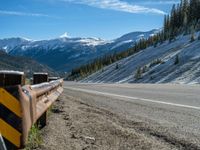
x=121 y=43
x=92 y=41
x=158 y=64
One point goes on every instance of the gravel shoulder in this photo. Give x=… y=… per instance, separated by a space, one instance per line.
x=76 y=123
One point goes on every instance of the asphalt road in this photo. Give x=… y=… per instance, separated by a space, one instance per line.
x=170 y=112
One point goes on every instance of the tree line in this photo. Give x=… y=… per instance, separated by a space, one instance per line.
x=183 y=19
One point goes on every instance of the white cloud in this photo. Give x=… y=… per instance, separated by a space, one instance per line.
x=17 y=13
x=118 y=5
x=159 y=2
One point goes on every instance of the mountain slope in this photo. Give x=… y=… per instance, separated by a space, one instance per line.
x=157 y=65
x=26 y=65
x=65 y=54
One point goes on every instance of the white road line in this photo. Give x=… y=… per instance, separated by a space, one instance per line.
x=133 y=98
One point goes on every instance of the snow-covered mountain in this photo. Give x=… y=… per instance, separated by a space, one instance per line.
x=134 y=36
x=65 y=53
x=175 y=62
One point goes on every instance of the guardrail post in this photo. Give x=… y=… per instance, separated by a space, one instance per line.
x=10 y=108
x=10 y=78
x=22 y=105
x=40 y=78
x=37 y=79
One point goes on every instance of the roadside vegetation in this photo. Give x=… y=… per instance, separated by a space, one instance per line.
x=34 y=139
x=141 y=70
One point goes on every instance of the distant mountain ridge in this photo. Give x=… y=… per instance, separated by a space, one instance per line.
x=65 y=53
x=26 y=65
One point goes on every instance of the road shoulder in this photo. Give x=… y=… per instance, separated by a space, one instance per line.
x=76 y=125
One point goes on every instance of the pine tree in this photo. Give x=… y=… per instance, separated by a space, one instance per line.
x=144 y=69
x=185 y=22
x=185 y=10
x=176 y=60
x=193 y=11
x=138 y=73
x=192 y=37
x=117 y=66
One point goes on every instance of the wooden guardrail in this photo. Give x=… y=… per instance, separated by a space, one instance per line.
x=22 y=105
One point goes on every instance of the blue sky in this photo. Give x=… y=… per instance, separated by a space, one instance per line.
x=107 y=19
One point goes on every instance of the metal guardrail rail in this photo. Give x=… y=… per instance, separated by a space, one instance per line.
x=21 y=106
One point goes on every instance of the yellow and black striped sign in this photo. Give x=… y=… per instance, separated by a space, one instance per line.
x=10 y=117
